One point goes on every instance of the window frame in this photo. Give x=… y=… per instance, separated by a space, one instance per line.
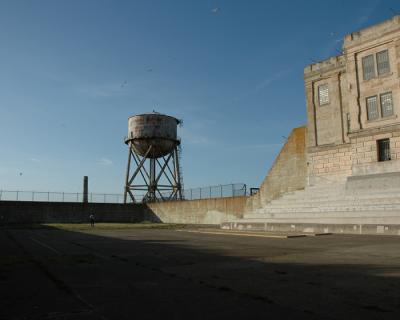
x=377 y=64
x=326 y=85
x=379 y=111
x=363 y=59
x=380 y=104
x=376 y=106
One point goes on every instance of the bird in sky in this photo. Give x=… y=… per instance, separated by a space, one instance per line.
x=215 y=10
x=124 y=84
x=149 y=70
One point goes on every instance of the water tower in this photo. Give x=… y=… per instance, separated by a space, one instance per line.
x=153 y=171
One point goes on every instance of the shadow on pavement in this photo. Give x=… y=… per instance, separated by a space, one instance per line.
x=57 y=274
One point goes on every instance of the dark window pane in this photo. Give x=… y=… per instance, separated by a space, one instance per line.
x=383 y=150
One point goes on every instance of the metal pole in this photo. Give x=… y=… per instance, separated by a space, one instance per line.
x=104 y=198
x=221 y=190
x=33 y=195
x=191 y=194
x=127 y=172
x=17 y=195
x=63 y=196
x=210 y=192
x=152 y=192
x=177 y=173
x=48 y=196
x=85 y=189
x=200 y=193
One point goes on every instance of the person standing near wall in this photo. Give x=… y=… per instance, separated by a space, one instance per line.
x=91 y=217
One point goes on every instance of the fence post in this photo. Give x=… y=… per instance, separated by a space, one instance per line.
x=77 y=197
x=233 y=190
x=91 y=197
x=200 y=193
x=1 y=193
x=48 y=196
x=221 y=190
x=104 y=198
x=191 y=194
x=210 y=192
x=17 y=195
x=63 y=196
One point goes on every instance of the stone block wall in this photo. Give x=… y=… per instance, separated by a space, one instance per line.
x=330 y=164
x=365 y=154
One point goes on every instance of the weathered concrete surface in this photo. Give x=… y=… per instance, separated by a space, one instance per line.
x=166 y=274
x=205 y=211
x=288 y=172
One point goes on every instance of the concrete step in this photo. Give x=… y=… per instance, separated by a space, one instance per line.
x=342 y=194
x=365 y=217
x=315 y=228
x=337 y=202
x=332 y=208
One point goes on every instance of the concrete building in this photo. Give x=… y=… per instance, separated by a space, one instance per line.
x=353 y=106
x=343 y=168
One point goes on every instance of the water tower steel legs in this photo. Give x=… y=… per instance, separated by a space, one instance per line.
x=158 y=168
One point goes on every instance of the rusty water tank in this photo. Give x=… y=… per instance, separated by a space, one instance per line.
x=152 y=129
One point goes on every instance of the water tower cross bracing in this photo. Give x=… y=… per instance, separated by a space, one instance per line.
x=153 y=172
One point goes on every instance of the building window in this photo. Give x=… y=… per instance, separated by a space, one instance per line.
x=383 y=149
x=368 y=66
x=323 y=94
x=382 y=62
x=372 y=108
x=386 y=104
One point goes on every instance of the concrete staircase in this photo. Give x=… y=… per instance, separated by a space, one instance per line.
x=330 y=204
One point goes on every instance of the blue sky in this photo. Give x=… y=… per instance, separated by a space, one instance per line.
x=234 y=76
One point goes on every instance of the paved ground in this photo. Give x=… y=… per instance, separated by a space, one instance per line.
x=170 y=274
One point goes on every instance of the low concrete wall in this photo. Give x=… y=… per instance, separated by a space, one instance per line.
x=205 y=211
x=14 y=212
x=288 y=172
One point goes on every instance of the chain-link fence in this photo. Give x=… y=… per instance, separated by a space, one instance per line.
x=59 y=196
x=221 y=191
